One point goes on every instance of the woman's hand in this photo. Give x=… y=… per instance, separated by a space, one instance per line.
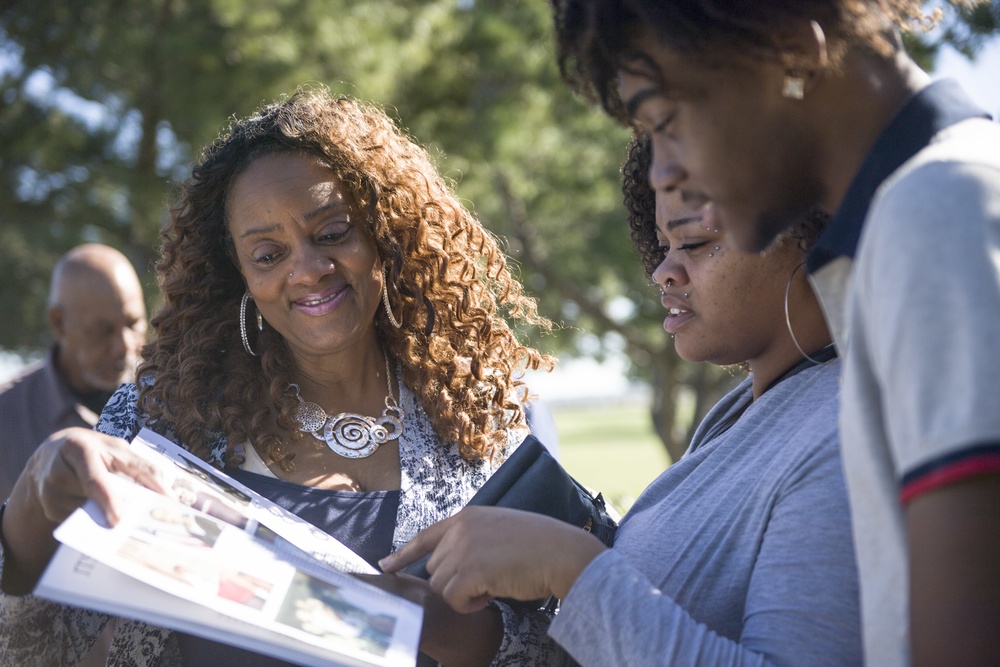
x=68 y=468
x=488 y=552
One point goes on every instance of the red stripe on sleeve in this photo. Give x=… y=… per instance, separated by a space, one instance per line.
x=950 y=473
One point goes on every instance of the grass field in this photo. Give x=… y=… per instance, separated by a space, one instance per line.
x=610 y=448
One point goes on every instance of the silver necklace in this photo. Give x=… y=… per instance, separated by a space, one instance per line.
x=348 y=434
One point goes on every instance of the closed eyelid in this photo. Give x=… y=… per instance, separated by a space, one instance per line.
x=661 y=92
x=257 y=251
x=335 y=232
x=653 y=118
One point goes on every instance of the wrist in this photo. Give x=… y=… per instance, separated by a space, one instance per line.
x=3 y=540
x=461 y=640
x=28 y=543
x=5 y=551
x=569 y=569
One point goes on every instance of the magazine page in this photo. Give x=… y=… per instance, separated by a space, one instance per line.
x=75 y=579
x=323 y=616
x=206 y=488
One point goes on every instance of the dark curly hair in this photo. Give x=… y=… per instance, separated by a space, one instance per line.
x=595 y=37
x=448 y=282
x=640 y=202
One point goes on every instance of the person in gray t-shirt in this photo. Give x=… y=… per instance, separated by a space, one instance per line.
x=739 y=553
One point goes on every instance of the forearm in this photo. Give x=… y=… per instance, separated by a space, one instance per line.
x=802 y=609
x=615 y=616
x=954 y=547
x=460 y=640
x=34 y=631
x=28 y=543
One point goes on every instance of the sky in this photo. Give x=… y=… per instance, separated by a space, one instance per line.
x=980 y=78
x=586 y=379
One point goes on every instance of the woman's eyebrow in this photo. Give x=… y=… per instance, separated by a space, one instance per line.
x=258 y=231
x=320 y=210
x=633 y=103
x=678 y=222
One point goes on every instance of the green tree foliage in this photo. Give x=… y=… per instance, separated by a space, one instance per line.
x=103 y=103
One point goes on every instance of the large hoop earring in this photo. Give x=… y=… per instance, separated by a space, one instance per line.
x=385 y=300
x=788 y=319
x=243 y=323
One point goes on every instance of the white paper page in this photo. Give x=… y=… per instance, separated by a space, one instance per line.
x=198 y=558
x=227 y=499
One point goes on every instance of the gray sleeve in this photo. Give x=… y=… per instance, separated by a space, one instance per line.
x=936 y=346
x=801 y=608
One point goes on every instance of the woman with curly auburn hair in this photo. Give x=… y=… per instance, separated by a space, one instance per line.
x=768 y=109
x=741 y=551
x=334 y=332
x=443 y=276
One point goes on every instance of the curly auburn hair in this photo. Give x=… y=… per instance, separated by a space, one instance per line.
x=448 y=283
x=595 y=37
x=640 y=202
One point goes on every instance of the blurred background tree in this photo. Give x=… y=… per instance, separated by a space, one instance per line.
x=103 y=104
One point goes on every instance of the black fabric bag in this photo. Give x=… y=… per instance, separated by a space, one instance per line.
x=532 y=480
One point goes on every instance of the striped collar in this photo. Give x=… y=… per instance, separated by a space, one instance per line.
x=936 y=107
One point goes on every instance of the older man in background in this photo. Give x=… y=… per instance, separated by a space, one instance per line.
x=97 y=317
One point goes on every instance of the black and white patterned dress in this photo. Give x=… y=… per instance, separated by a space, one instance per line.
x=435 y=482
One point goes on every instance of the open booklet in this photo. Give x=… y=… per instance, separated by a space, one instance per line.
x=222 y=562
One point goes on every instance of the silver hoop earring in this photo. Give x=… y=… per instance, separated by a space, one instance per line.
x=788 y=318
x=243 y=323
x=385 y=300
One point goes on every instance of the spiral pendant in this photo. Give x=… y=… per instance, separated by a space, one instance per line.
x=353 y=436
x=349 y=434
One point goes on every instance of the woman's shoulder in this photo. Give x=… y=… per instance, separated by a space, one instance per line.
x=795 y=417
x=806 y=416
x=121 y=416
x=814 y=387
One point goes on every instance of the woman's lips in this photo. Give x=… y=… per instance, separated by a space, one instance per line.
x=678 y=313
x=320 y=304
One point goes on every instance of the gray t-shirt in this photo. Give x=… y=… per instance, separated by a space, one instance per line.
x=739 y=554
x=918 y=317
